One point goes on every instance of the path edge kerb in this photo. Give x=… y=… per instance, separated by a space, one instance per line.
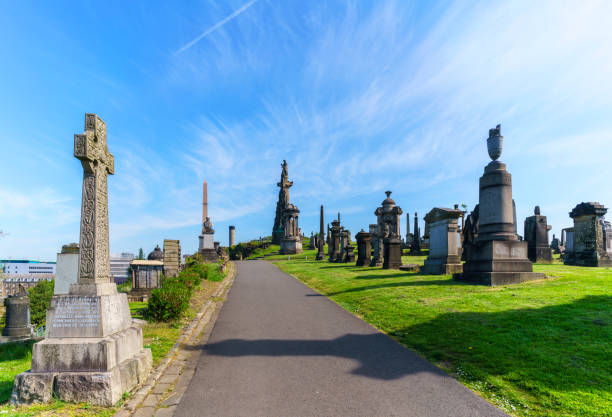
x=141 y=392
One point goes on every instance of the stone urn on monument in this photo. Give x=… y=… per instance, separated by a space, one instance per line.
x=92 y=351
x=497 y=256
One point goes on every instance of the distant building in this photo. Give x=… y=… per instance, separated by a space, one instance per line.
x=119 y=267
x=25 y=267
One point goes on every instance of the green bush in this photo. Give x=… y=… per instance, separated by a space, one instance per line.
x=170 y=301
x=214 y=272
x=125 y=287
x=190 y=279
x=40 y=299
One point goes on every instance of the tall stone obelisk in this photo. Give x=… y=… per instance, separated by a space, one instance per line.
x=206 y=247
x=92 y=351
x=321 y=240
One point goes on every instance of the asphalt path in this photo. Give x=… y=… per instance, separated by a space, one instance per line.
x=279 y=348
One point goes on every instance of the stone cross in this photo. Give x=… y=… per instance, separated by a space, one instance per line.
x=90 y=148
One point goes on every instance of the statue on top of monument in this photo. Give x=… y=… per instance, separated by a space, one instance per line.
x=495 y=143
x=285 y=172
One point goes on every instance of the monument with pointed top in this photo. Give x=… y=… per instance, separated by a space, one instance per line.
x=93 y=350
x=206 y=247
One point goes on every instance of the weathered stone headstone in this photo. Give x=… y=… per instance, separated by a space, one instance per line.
x=17 y=316
x=172 y=257
x=335 y=254
x=377 y=246
x=92 y=351
x=496 y=256
x=364 y=248
x=444 y=242
x=311 y=243
x=67 y=268
x=536 y=235
x=555 y=245
x=588 y=246
x=321 y=239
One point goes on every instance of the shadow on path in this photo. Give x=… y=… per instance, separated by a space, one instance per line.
x=379 y=357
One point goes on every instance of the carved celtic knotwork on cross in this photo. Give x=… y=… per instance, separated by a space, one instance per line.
x=90 y=148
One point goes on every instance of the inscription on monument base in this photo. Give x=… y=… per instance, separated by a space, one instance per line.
x=75 y=312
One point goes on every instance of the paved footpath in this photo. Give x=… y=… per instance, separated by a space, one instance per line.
x=280 y=349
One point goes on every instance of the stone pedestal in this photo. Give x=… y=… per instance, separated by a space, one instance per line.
x=445 y=244
x=393 y=253
x=290 y=245
x=92 y=351
x=496 y=257
x=364 y=248
x=17 y=317
x=334 y=242
x=349 y=254
x=586 y=241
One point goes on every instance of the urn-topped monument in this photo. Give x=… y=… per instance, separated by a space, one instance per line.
x=92 y=351
x=497 y=256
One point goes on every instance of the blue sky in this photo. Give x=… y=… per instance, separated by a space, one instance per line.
x=359 y=97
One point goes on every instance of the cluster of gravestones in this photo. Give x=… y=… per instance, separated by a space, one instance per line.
x=487 y=239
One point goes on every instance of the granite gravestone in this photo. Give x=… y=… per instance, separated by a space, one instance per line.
x=66 y=268
x=588 y=246
x=334 y=254
x=536 y=235
x=496 y=256
x=364 y=248
x=17 y=316
x=444 y=242
x=555 y=245
x=92 y=351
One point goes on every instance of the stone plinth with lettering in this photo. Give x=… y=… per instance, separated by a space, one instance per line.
x=92 y=351
x=496 y=256
x=444 y=242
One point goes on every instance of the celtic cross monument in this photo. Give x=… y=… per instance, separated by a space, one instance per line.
x=92 y=351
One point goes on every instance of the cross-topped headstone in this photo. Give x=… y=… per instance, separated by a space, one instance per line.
x=90 y=148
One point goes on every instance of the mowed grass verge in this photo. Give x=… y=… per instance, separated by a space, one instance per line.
x=536 y=349
x=159 y=337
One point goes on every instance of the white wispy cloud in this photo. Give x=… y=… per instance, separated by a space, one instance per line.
x=215 y=27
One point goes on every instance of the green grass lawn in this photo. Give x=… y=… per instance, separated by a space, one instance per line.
x=542 y=348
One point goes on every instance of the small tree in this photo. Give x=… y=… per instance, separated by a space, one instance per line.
x=40 y=299
x=140 y=254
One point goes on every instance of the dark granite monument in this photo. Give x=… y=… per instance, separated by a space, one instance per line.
x=415 y=245
x=496 y=256
x=536 y=235
x=589 y=237
x=17 y=317
x=377 y=246
x=283 y=200
x=364 y=248
x=334 y=254
x=321 y=239
x=388 y=215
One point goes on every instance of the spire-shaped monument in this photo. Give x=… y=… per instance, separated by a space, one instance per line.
x=283 y=200
x=206 y=247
